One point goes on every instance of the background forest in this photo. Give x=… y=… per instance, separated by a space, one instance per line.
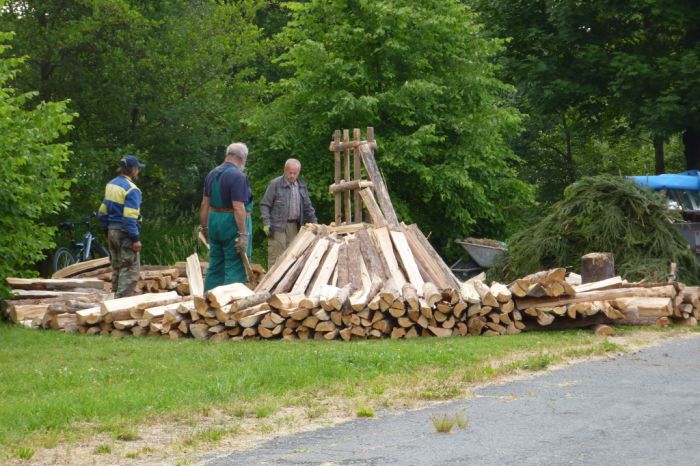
x=484 y=110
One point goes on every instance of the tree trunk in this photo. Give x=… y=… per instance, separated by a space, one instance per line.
x=597 y=266
x=569 y=149
x=659 y=155
x=691 y=140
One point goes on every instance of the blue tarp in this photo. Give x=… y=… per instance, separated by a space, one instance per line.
x=689 y=180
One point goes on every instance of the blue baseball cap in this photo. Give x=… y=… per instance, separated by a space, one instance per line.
x=130 y=161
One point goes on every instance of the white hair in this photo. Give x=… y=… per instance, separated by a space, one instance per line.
x=292 y=162
x=237 y=149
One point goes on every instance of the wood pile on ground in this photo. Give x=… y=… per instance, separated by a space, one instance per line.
x=52 y=303
x=153 y=279
x=236 y=312
x=550 y=302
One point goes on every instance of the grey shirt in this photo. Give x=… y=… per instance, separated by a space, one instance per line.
x=275 y=204
x=294 y=202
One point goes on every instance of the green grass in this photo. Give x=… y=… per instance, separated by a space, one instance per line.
x=137 y=453
x=461 y=420
x=103 y=449
x=264 y=411
x=365 y=412
x=54 y=382
x=443 y=423
x=127 y=436
x=315 y=412
x=209 y=435
x=24 y=453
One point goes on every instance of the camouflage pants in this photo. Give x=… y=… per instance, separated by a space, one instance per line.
x=126 y=264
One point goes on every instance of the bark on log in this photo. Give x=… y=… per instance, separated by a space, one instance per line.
x=597 y=266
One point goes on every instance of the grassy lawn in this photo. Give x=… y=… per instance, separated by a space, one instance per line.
x=54 y=384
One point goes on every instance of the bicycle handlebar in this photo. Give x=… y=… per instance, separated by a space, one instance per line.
x=71 y=225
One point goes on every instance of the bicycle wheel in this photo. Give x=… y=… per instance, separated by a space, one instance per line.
x=62 y=258
x=97 y=251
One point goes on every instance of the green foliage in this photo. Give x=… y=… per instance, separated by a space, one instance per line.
x=640 y=59
x=609 y=214
x=597 y=75
x=559 y=149
x=169 y=236
x=168 y=80
x=33 y=178
x=422 y=75
x=364 y=412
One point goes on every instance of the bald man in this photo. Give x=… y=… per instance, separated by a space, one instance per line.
x=285 y=207
x=224 y=218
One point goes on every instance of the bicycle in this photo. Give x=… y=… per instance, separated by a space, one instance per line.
x=89 y=248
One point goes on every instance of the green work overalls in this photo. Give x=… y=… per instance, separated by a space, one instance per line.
x=225 y=265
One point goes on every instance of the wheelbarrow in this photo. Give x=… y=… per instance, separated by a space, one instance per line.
x=483 y=252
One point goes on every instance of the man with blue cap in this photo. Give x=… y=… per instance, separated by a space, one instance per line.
x=120 y=217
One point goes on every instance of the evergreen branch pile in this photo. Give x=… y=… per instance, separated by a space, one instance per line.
x=606 y=214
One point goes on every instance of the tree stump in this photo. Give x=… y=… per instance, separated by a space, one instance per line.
x=597 y=266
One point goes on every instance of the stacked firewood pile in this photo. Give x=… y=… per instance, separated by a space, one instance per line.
x=541 y=301
x=138 y=315
x=547 y=300
x=59 y=302
x=153 y=279
x=52 y=303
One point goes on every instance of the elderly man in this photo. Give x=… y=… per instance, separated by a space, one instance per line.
x=224 y=218
x=284 y=208
x=119 y=215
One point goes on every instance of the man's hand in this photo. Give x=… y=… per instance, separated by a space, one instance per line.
x=136 y=246
x=205 y=232
x=266 y=229
x=242 y=244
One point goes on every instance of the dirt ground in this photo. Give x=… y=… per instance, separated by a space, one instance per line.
x=180 y=442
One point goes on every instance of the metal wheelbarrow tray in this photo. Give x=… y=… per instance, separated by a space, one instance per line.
x=483 y=254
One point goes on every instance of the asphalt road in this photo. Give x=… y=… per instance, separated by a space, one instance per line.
x=640 y=408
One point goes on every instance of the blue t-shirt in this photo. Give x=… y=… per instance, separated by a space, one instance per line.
x=233 y=185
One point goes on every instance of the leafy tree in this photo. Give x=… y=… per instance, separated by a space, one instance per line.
x=638 y=60
x=34 y=165
x=166 y=79
x=558 y=149
x=422 y=75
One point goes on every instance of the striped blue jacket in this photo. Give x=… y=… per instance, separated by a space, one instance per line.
x=120 y=207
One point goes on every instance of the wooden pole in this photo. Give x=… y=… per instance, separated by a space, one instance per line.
x=380 y=188
x=357 y=165
x=338 y=196
x=349 y=186
x=375 y=213
x=348 y=207
x=372 y=144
